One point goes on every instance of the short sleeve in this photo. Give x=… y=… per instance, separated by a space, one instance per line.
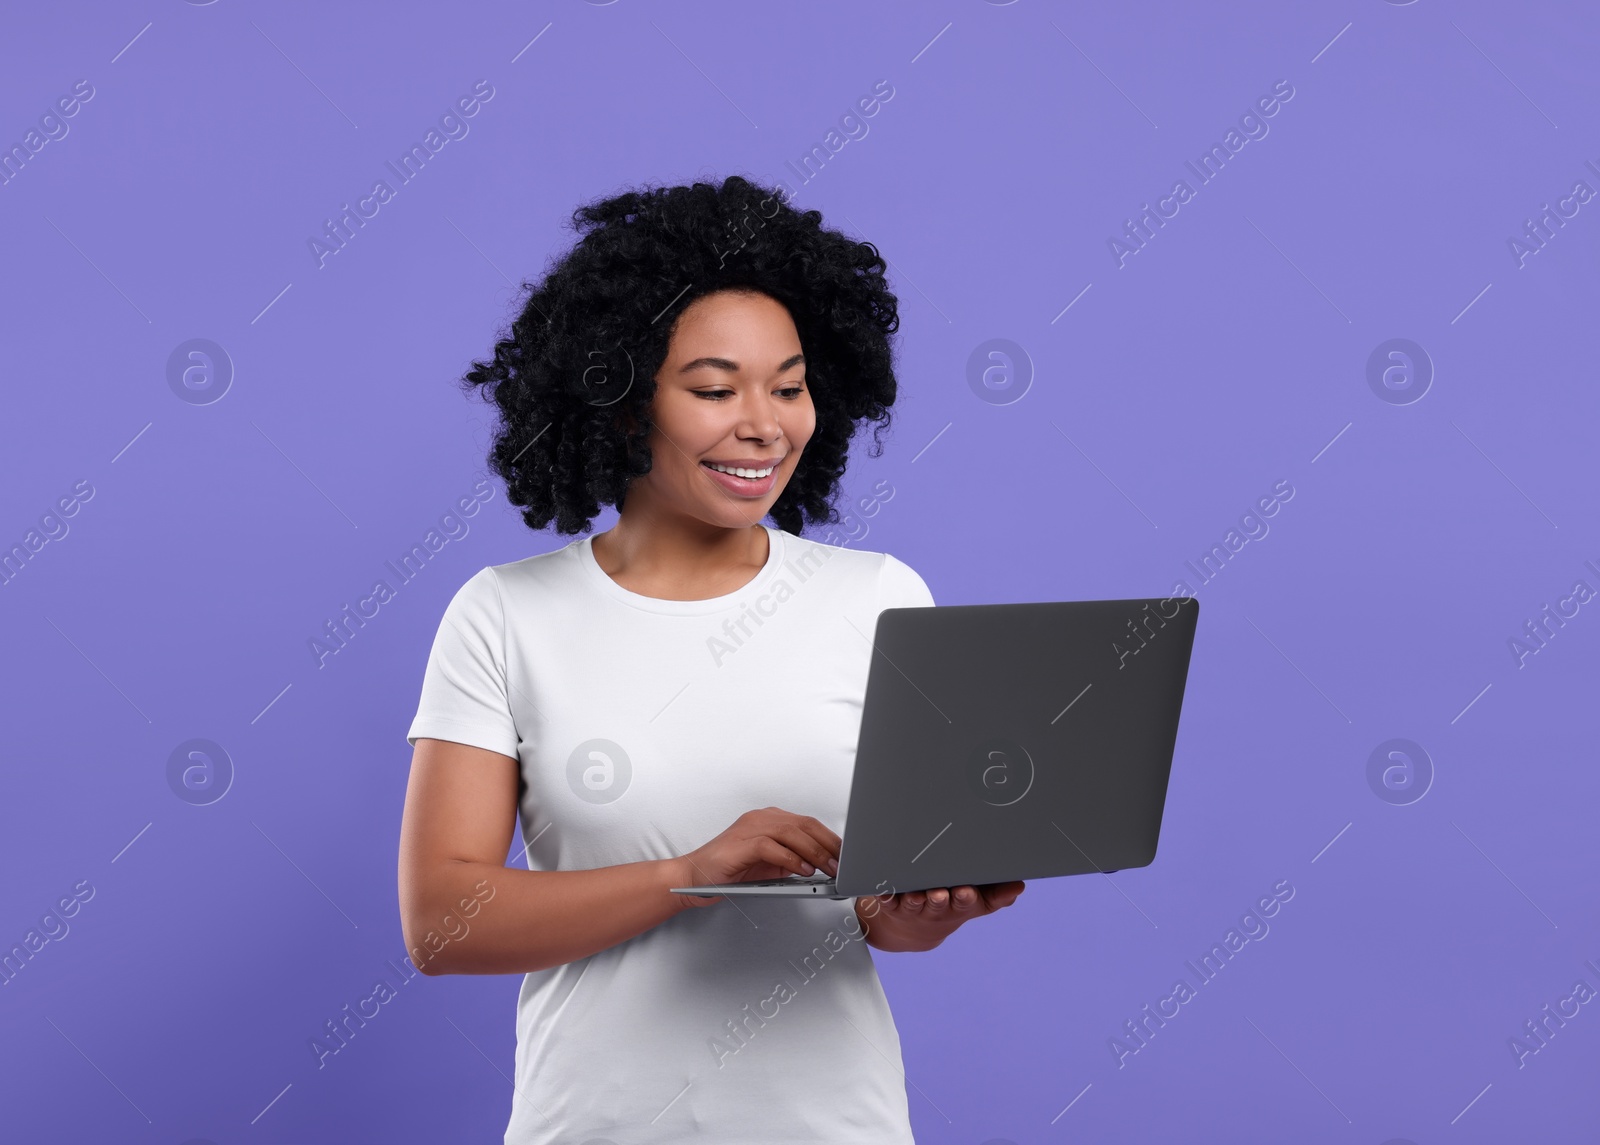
x=899 y=586
x=464 y=694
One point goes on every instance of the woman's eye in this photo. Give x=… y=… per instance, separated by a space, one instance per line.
x=792 y=392
x=713 y=393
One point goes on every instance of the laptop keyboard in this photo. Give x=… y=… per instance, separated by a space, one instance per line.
x=793 y=880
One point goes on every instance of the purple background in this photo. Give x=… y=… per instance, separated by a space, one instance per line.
x=1165 y=396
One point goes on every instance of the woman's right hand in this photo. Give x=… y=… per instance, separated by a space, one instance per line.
x=770 y=843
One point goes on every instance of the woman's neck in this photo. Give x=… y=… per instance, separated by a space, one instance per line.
x=673 y=559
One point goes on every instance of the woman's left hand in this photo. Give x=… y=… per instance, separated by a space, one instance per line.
x=921 y=920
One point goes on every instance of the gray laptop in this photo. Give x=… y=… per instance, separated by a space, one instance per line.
x=1008 y=741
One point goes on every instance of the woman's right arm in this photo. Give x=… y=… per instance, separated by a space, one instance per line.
x=463 y=911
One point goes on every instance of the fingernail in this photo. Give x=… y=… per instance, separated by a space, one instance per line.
x=807 y=868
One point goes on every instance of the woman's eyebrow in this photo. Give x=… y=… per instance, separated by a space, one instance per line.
x=732 y=367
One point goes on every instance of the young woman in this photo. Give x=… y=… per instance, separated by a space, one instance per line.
x=675 y=700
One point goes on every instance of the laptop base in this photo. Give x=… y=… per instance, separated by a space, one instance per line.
x=813 y=887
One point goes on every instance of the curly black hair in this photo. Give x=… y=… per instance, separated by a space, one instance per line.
x=573 y=378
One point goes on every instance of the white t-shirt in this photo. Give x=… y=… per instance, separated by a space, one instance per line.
x=644 y=728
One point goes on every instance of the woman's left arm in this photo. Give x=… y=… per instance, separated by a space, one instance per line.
x=921 y=920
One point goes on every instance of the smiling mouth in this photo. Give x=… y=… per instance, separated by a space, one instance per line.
x=739 y=471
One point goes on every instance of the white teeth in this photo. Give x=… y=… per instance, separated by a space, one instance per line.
x=750 y=473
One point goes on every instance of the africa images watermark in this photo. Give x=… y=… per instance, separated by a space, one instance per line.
x=339 y=632
x=1539 y=230
x=737 y=630
x=1252 y=527
x=1137 y=232
x=52 y=527
x=52 y=928
x=338 y=1031
x=1538 y=632
x=1536 y=1034
x=740 y=1031
x=1252 y=927
x=342 y=227
x=53 y=126
x=854 y=127
x=1144 y=628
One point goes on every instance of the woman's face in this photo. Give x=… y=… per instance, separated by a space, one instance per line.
x=732 y=392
